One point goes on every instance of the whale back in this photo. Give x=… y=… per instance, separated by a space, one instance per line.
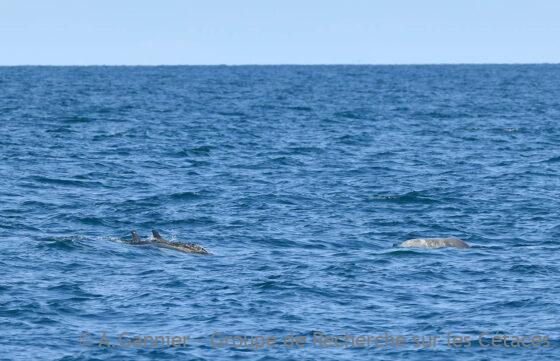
x=434 y=243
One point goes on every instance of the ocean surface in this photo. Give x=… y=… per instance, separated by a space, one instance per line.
x=300 y=180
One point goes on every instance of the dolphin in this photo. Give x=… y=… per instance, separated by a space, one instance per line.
x=136 y=239
x=434 y=243
x=178 y=246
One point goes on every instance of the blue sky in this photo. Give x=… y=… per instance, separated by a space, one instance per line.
x=278 y=31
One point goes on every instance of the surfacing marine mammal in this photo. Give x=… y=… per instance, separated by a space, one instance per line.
x=434 y=243
x=178 y=246
x=158 y=241
x=136 y=239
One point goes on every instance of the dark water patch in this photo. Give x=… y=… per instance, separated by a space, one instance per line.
x=438 y=115
x=91 y=221
x=77 y=119
x=281 y=161
x=46 y=321
x=402 y=253
x=304 y=151
x=199 y=221
x=348 y=115
x=276 y=242
x=185 y=196
x=198 y=163
x=63 y=182
x=354 y=140
x=301 y=108
x=157 y=200
x=108 y=136
x=528 y=269
x=34 y=204
x=552 y=160
x=174 y=284
x=233 y=114
x=314 y=245
x=149 y=272
x=65 y=244
x=61 y=130
x=66 y=288
x=202 y=151
x=409 y=197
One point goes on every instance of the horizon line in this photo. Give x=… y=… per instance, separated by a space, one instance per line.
x=275 y=64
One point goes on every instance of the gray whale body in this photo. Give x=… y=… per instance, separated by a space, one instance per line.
x=434 y=243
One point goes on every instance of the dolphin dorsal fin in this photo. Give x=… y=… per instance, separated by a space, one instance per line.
x=156 y=234
x=135 y=238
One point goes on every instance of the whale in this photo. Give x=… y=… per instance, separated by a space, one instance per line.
x=434 y=243
x=177 y=246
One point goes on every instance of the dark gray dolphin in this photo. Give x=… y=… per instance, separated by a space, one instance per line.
x=136 y=239
x=157 y=235
x=178 y=246
x=434 y=243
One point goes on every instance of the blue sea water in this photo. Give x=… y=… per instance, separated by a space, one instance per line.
x=300 y=180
